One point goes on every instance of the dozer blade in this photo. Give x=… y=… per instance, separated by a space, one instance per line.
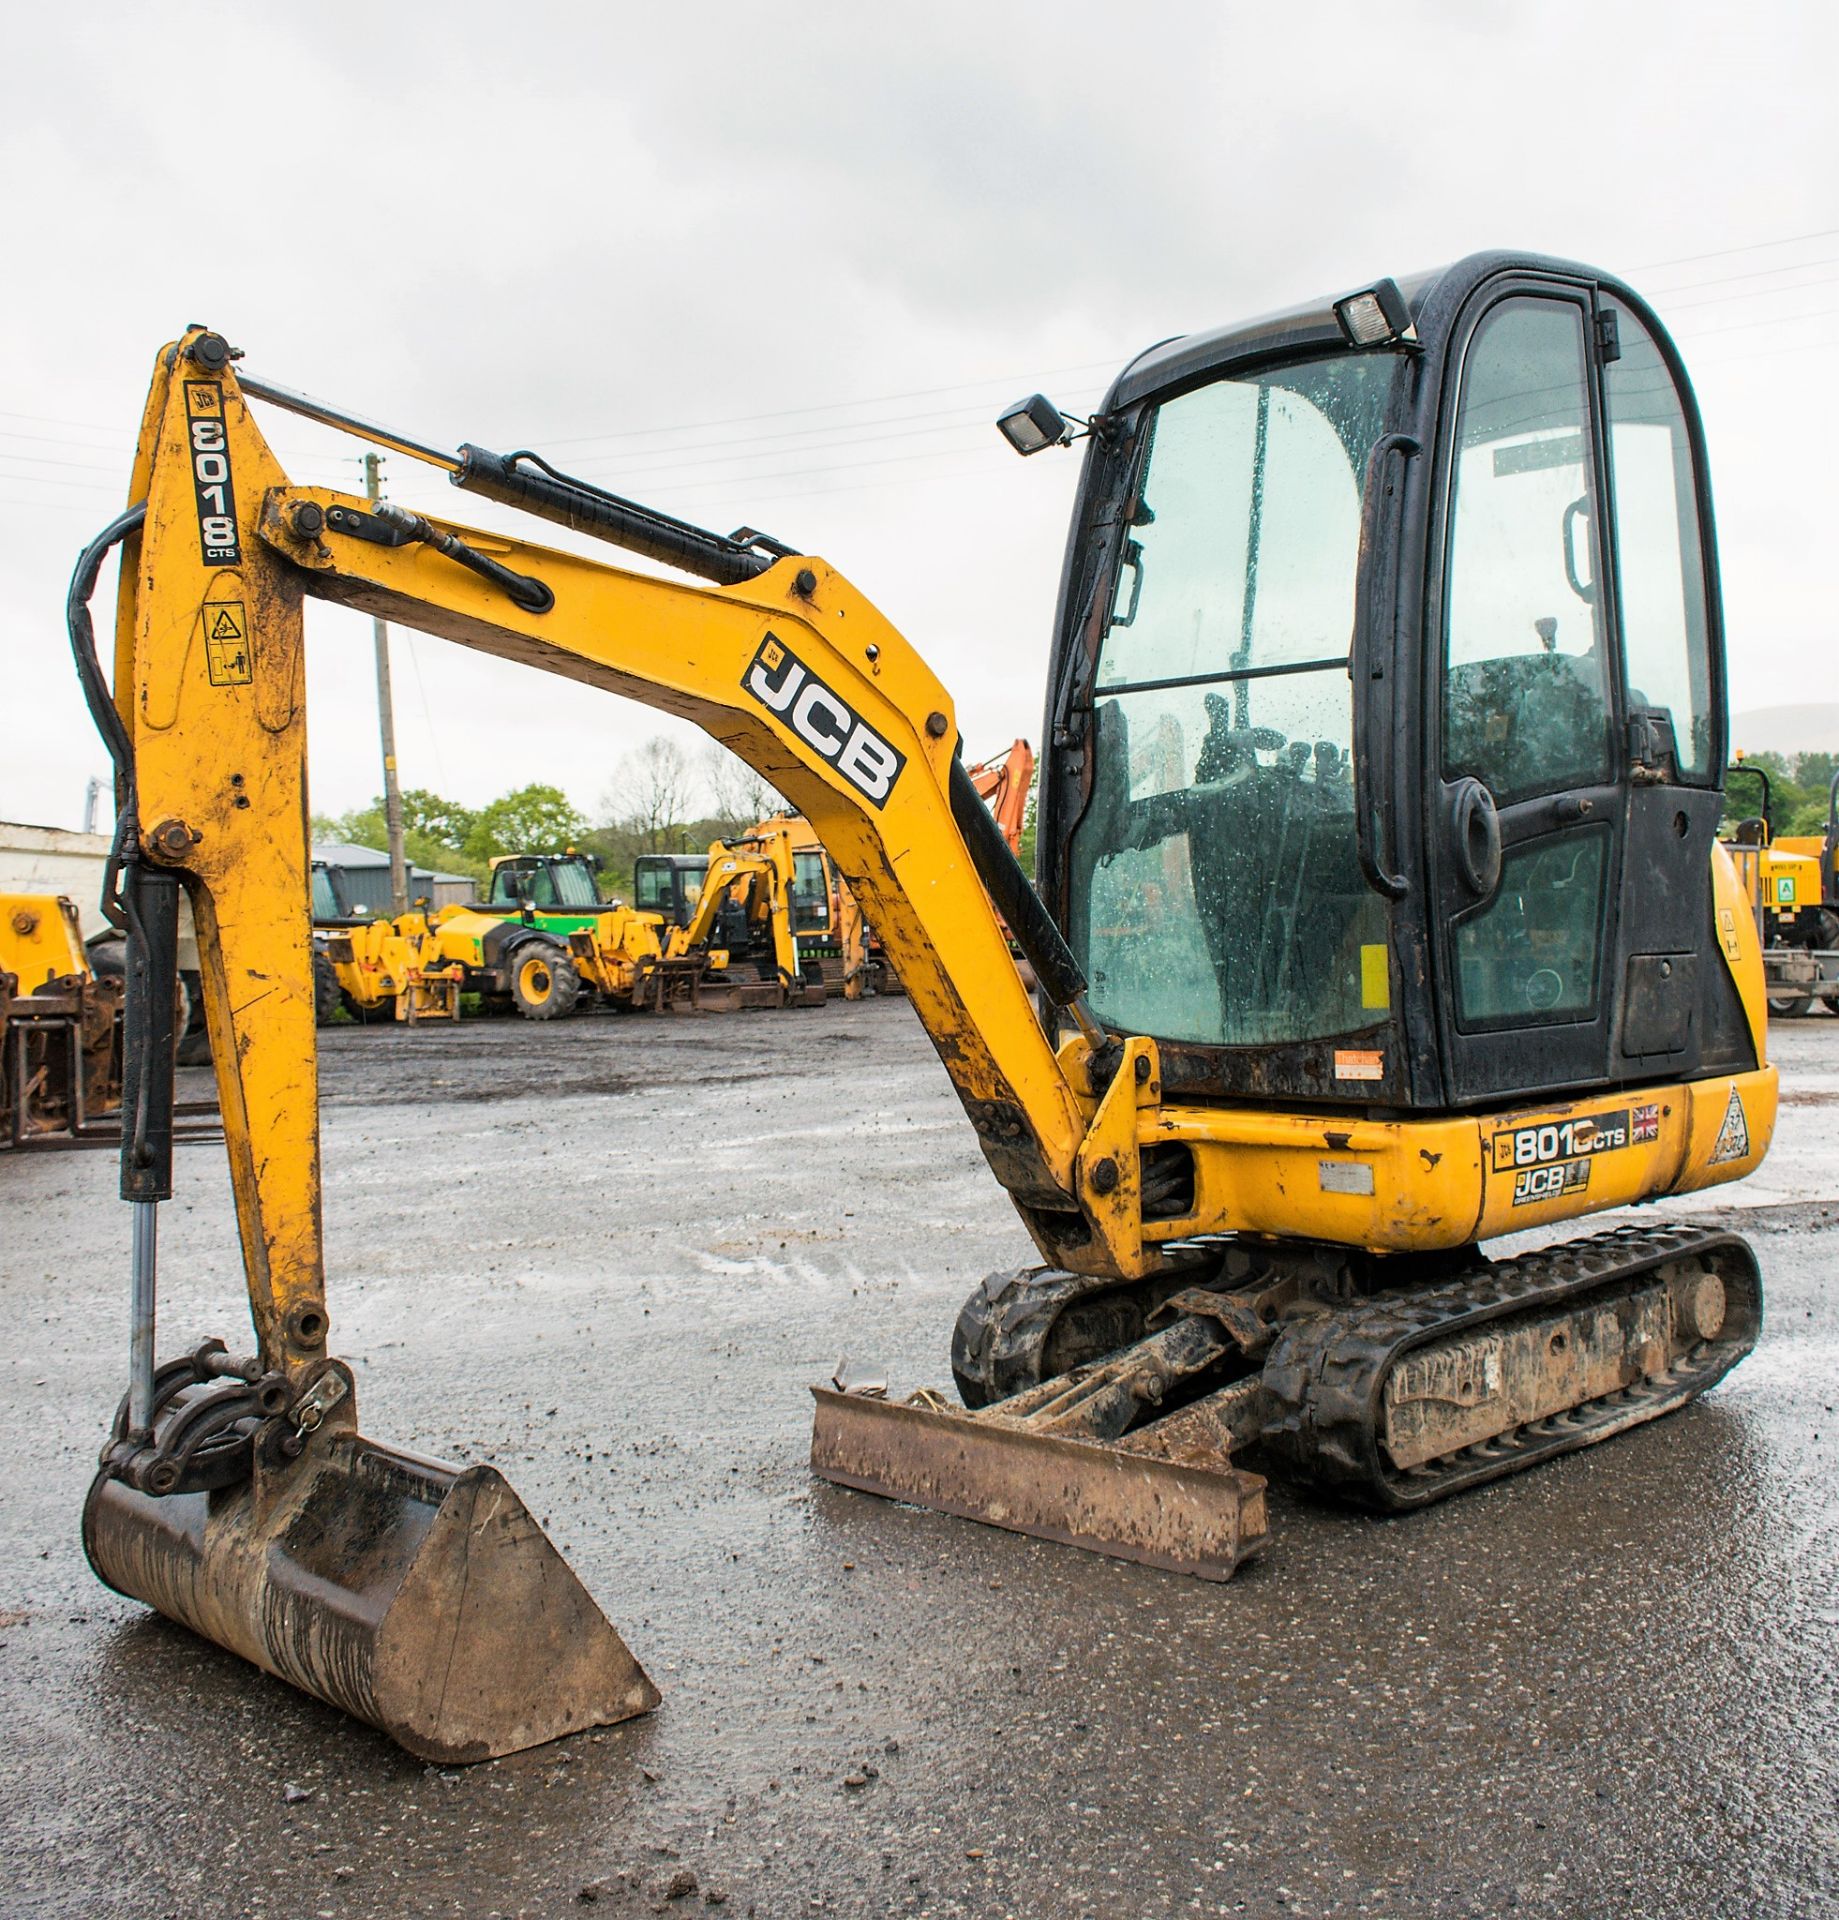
x=1198 y=1515
x=419 y=1597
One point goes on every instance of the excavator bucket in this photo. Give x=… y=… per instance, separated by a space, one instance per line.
x=422 y=1598
x=1183 y=1507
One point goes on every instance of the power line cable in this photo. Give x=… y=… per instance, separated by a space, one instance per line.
x=1724 y=253
x=1756 y=273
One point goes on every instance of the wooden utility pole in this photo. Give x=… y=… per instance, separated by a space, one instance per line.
x=386 y=725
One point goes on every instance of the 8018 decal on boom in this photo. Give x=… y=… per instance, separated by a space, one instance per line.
x=210 y=458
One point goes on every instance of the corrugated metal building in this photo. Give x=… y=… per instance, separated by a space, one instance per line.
x=362 y=879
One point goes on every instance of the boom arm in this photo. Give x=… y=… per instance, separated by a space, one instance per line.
x=793 y=671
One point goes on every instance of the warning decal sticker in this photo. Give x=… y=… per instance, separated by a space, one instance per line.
x=1733 y=1135
x=226 y=642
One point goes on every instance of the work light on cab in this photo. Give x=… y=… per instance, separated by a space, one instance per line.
x=1377 y=316
x=1034 y=423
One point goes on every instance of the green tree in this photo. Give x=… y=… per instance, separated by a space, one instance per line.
x=443 y=820
x=428 y=821
x=533 y=819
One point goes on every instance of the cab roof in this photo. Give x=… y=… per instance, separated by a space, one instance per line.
x=1433 y=296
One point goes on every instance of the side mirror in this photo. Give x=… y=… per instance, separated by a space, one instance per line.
x=1032 y=424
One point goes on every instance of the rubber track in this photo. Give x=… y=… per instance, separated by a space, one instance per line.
x=1326 y=1375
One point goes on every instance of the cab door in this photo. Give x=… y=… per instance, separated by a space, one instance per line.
x=1579 y=733
x=1678 y=1011
x=1527 y=826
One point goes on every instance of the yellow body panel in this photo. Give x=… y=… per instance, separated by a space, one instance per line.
x=613 y=952
x=41 y=939
x=1420 y=1185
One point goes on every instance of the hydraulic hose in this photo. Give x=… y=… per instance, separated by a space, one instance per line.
x=101 y=702
x=145 y=904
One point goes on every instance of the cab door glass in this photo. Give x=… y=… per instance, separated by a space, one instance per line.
x=1660 y=563
x=1527 y=700
x=1532 y=954
x=1215 y=894
x=1526 y=688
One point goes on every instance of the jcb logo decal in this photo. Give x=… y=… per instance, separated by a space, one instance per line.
x=785 y=686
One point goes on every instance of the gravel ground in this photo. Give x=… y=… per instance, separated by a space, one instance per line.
x=608 y=1257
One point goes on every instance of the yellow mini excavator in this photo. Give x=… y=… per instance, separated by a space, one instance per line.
x=1380 y=915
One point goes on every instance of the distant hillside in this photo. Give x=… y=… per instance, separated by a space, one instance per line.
x=1813 y=728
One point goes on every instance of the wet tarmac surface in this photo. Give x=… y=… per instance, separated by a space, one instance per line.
x=608 y=1257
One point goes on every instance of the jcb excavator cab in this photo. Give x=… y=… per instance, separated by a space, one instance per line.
x=1389 y=673
x=670 y=884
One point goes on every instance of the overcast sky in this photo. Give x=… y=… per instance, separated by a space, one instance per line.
x=783 y=265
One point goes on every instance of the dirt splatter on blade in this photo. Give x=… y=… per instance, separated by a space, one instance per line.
x=1187 y=1516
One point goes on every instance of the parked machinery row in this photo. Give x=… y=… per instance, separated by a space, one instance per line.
x=1792 y=884
x=712 y=932
x=762 y=920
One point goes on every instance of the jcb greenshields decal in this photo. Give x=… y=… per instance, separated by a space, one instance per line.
x=210 y=456
x=823 y=720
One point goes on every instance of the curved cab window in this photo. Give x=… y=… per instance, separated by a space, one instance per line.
x=1525 y=696
x=1661 y=566
x=1215 y=890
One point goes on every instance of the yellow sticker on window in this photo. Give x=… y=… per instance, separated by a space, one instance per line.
x=1375 y=979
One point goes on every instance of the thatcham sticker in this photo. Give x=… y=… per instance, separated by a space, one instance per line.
x=823 y=720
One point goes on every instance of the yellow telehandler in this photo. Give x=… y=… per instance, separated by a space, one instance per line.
x=1387 y=676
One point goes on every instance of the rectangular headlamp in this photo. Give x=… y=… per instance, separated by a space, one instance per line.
x=1033 y=424
x=1377 y=316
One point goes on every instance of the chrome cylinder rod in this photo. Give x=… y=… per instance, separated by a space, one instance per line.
x=141 y=1312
